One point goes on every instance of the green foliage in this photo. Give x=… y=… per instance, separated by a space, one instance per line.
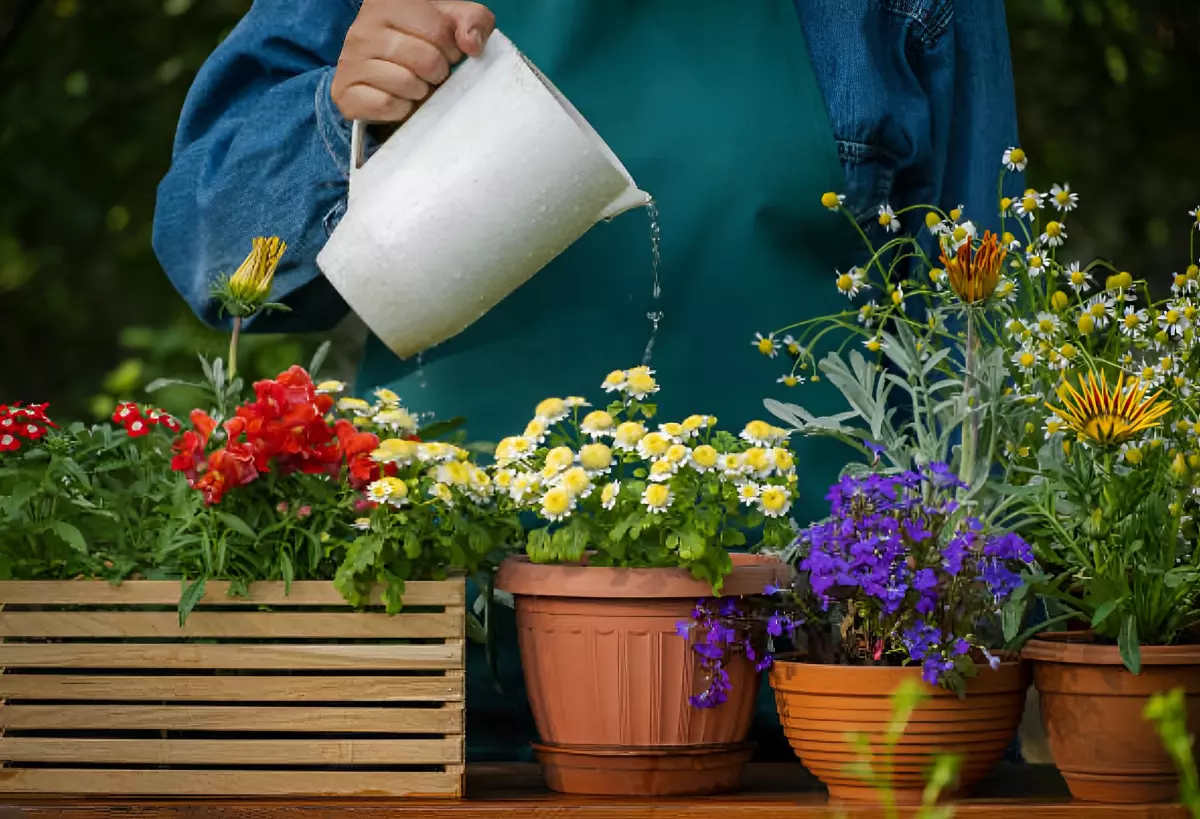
x=1168 y=711
x=874 y=762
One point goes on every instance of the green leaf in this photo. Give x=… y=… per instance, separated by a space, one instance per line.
x=70 y=535
x=1011 y=617
x=285 y=566
x=1103 y=611
x=1127 y=643
x=190 y=597
x=318 y=359
x=236 y=524
x=392 y=594
x=162 y=383
x=439 y=428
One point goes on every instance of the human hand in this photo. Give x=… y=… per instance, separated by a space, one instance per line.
x=397 y=51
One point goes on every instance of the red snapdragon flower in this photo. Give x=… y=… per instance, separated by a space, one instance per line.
x=357 y=448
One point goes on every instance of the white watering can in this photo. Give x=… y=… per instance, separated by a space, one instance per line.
x=491 y=178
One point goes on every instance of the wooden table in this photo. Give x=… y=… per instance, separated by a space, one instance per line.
x=508 y=791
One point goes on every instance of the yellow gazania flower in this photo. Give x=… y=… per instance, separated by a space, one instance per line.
x=1108 y=417
x=250 y=285
x=975 y=272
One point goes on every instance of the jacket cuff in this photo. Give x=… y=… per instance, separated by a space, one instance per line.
x=332 y=126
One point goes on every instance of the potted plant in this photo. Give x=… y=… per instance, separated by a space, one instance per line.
x=288 y=529
x=916 y=573
x=636 y=524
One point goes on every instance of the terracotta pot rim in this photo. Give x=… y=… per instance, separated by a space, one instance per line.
x=639 y=750
x=1079 y=648
x=520 y=576
x=879 y=669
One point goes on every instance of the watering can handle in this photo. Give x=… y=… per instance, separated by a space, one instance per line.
x=358 y=133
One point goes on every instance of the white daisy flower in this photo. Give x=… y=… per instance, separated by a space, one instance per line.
x=866 y=314
x=517 y=448
x=536 y=430
x=596 y=458
x=1173 y=321
x=887 y=218
x=703 y=458
x=1053 y=426
x=615 y=381
x=674 y=431
x=1100 y=308
x=1035 y=262
x=790 y=380
x=387 y=397
x=657 y=497
x=1080 y=280
x=1006 y=290
x=1016 y=328
x=1061 y=197
x=767 y=345
x=760 y=433
x=1029 y=204
x=627 y=435
x=774 y=501
x=1055 y=234
x=575 y=402
x=1047 y=325
x=1134 y=322
x=597 y=424
x=557 y=504
x=1025 y=359
x=960 y=235
x=748 y=492
x=378 y=491
x=653 y=445
x=732 y=465
x=576 y=481
x=852 y=282
x=1014 y=159
x=662 y=470
x=610 y=494
x=523 y=487
x=791 y=346
x=1195 y=214
x=551 y=411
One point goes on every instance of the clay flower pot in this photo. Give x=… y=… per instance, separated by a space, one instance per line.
x=1092 y=711
x=609 y=679
x=820 y=704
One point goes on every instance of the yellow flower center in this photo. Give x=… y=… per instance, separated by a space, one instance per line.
x=704 y=456
x=551 y=409
x=829 y=199
x=773 y=499
x=790 y=381
x=657 y=495
x=595 y=457
x=1007 y=239
x=960 y=233
x=1119 y=281
x=1005 y=204
x=1027 y=359
x=1035 y=261
x=932 y=219
x=1029 y=204
x=897 y=297
x=885 y=218
x=615 y=379
x=1172 y=317
x=845 y=283
x=556 y=502
x=559 y=458
x=1086 y=323
x=955 y=214
x=1132 y=321
x=1045 y=326
x=576 y=482
x=756 y=459
x=655 y=443
x=643 y=383
x=629 y=433
x=597 y=421
x=609 y=493
x=1098 y=309
x=766 y=346
x=1017 y=156
x=783 y=459
x=1068 y=351
x=1133 y=456
x=1053 y=229
x=874 y=345
x=1063 y=197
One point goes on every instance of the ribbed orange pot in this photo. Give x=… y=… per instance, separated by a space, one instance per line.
x=608 y=678
x=1092 y=711
x=819 y=705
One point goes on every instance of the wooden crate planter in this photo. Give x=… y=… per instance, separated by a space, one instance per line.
x=103 y=693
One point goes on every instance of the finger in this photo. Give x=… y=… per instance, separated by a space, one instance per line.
x=374 y=105
x=413 y=53
x=473 y=24
x=422 y=20
x=394 y=79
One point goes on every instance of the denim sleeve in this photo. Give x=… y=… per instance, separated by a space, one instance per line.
x=920 y=97
x=260 y=151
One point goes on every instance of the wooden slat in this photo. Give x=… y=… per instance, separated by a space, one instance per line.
x=167 y=592
x=234 y=624
x=232 y=688
x=228 y=783
x=261 y=657
x=233 y=752
x=231 y=718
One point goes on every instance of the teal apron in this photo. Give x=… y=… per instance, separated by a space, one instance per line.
x=714 y=110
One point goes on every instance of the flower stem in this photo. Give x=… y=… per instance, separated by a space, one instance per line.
x=233 y=346
x=971 y=430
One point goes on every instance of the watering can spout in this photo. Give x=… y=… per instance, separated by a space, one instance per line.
x=629 y=199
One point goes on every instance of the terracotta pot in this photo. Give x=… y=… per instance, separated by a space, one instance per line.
x=820 y=704
x=608 y=678
x=1092 y=711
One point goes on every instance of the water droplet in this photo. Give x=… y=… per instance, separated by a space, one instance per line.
x=421 y=370
x=655 y=315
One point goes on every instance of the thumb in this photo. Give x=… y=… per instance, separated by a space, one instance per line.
x=473 y=24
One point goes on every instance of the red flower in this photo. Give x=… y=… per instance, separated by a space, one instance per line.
x=228 y=467
x=125 y=413
x=189 y=447
x=357 y=447
x=18 y=422
x=137 y=427
x=9 y=442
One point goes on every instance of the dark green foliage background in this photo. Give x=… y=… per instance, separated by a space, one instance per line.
x=90 y=91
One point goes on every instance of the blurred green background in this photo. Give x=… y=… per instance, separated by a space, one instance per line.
x=90 y=91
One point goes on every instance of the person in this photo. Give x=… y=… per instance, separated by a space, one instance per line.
x=735 y=117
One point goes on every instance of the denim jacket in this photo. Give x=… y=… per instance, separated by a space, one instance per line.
x=919 y=94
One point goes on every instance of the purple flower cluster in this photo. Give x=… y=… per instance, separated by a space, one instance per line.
x=921 y=573
x=724 y=627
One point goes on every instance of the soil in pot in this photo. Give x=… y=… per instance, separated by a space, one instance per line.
x=1092 y=711
x=609 y=678
x=820 y=704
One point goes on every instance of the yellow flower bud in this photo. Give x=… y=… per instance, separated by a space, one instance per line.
x=250 y=285
x=1005 y=204
x=932 y=219
x=955 y=214
x=1029 y=428
x=1059 y=300
x=1179 y=466
x=1007 y=238
x=1066 y=446
x=831 y=200
x=1193 y=461
x=1086 y=324
x=1133 y=456
x=1118 y=281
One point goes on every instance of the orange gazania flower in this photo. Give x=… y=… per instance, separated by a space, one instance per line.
x=974 y=272
x=1108 y=417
